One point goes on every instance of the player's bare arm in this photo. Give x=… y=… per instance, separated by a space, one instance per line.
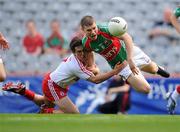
x=3 y=42
x=104 y=76
x=129 y=47
x=89 y=55
x=91 y=66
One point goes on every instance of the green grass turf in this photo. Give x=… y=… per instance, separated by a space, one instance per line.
x=88 y=123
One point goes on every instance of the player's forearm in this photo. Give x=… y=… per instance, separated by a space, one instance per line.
x=129 y=45
x=90 y=58
x=102 y=77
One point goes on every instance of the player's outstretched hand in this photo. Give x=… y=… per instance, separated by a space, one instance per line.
x=119 y=66
x=133 y=67
x=3 y=42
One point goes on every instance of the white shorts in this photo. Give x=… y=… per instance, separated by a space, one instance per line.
x=140 y=58
x=125 y=72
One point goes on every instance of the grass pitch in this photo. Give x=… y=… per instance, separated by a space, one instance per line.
x=88 y=123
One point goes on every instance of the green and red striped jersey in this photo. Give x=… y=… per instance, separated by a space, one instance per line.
x=110 y=47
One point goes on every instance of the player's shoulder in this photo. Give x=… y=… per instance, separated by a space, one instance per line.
x=75 y=63
x=103 y=27
x=86 y=44
x=73 y=59
x=84 y=41
x=70 y=62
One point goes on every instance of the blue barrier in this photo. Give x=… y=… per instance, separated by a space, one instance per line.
x=87 y=96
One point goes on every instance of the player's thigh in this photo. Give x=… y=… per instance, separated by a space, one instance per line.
x=150 y=68
x=139 y=83
x=67 y=106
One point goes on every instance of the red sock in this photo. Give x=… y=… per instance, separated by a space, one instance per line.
x=48 y=110
x=29 y=94
x=178 y=89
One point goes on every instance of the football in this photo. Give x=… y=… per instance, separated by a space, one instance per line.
x=117 y=26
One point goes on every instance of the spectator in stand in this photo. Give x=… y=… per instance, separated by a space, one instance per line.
x=164 y=28
x=33 y=41
x=117 y=97
x=56 y=43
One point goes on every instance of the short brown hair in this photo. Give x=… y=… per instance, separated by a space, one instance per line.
x=87 y=21
x=75 y=42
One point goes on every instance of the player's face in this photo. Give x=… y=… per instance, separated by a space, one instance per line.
x=79 y=53
x=91 y=31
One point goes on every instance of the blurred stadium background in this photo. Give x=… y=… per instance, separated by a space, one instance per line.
x=13 y=15
x=140 y=15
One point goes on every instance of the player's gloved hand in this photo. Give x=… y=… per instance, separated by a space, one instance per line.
x=3 y=42
x=133 y=67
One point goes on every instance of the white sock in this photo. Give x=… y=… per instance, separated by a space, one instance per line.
x=175 y=95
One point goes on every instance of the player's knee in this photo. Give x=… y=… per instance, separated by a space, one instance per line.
x=70 y=111
x=154 y=67
x=151 y=68
x=75 y=111
x=154 y=70
x=146 y=89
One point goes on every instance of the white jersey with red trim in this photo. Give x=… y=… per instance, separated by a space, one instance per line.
x=69 y=71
